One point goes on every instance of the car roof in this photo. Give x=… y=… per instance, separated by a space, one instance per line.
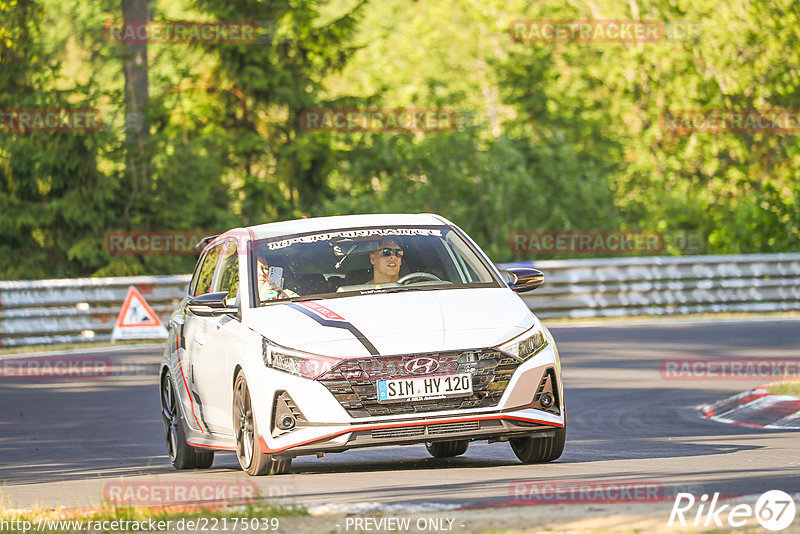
x=316 y=224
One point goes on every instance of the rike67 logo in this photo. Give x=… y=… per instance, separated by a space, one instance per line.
x=774 y=510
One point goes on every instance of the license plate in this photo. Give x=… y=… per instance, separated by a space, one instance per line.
x=429 y=387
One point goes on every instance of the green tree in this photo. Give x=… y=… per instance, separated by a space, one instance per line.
x=53 y=199
x=283 y=169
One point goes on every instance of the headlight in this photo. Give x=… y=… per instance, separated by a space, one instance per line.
x=296 y=362
x=524 y=347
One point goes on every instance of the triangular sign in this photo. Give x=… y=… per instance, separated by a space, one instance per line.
x=137 y=320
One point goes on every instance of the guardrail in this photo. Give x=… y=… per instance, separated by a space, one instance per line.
x=51 y=311
x=81 y=309
x=665 y=285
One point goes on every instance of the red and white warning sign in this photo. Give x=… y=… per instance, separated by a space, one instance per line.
x=137 y=320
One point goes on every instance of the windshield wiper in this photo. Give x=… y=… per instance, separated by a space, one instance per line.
x=289 y=299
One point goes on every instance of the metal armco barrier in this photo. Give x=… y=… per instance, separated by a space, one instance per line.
x=665 y=285
x=81 y=309
x=52 y=311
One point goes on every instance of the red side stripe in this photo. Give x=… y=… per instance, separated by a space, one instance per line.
x=191 y=402
x=186 y=385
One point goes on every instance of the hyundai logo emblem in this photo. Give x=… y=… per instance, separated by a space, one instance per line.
x=421 y=366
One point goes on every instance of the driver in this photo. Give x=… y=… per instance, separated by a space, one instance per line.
x=386 y=261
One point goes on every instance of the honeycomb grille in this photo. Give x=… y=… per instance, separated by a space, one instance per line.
x=447 y=428
x=398 y=432
x=354 y=383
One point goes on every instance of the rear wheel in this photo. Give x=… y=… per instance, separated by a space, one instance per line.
x=248 y=451
x=538 y=450
x=447 y=449
x=181 y=454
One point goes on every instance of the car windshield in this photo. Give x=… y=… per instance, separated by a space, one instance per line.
x=340 y=263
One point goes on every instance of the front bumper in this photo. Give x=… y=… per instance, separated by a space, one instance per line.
x=492 y=427
x=506 y=403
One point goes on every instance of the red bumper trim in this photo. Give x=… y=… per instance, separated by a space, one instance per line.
x=266 y=450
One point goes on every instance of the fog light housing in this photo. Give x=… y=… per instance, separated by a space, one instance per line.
x=286 y=422
x=546 y=396
x=286 y=416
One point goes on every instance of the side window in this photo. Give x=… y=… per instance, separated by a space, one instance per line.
x=206 y=274
x=195 y=275
x=229 y=271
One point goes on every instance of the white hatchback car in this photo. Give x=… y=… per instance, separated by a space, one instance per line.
x=326 y=334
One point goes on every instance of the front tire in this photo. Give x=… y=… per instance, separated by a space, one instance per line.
x=248 y=451
x=540 y=450
x=447 y=449
x=181 y=454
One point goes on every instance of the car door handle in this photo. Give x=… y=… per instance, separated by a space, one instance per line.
x=200 y=340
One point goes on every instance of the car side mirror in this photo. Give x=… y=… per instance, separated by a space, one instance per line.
x=522 y=279
x=211 y=304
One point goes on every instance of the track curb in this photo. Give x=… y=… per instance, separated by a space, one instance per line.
x=757 y=408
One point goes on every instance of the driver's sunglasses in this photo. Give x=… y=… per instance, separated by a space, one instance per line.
x=392 y=251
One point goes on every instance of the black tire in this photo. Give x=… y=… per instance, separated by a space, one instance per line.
x=245 y=429
x=181 y=454
x=447 y=449
x=203 y=459
x=540 y=450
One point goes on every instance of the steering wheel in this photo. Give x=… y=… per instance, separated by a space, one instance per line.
x=420 y=275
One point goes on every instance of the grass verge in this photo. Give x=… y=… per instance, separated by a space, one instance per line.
x=789 y=387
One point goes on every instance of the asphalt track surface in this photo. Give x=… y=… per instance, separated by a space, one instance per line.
x=62 y=441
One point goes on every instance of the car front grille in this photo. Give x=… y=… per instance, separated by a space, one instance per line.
x=354 y=382
x=432 y=430
x=398 y=432
x=447 y=428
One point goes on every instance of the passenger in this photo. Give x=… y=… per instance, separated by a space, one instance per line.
x=267 y=290
x=386 y=261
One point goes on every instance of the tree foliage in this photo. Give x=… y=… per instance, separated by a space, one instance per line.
x=550 y=135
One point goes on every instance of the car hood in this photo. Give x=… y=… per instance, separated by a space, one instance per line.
x=395 y=323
